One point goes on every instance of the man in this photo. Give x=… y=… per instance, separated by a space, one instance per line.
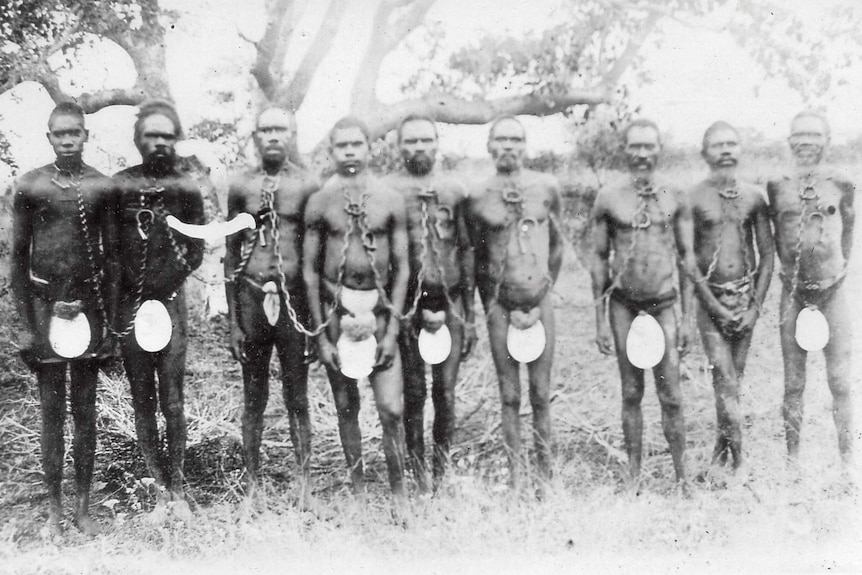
x=514 y=221
x=153 y=322
x=730 y=218
x=639 y=219
x=812 y=214
x=64 y=279
x=441 y=284
x=356 y=268
x=265 y=295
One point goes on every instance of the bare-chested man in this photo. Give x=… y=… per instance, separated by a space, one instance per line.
x=513 y=219
x=152 y=315
x=637 y=220
x=356 y=269
x=64 y=277
x=730 y=218
x=812 y=214
x=441 y=260
x=265 y=294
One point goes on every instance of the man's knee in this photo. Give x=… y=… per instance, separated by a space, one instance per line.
x=510 y=399
x=632 y=396
x=390 y=412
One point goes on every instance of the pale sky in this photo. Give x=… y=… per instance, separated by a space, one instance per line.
x=699 y=76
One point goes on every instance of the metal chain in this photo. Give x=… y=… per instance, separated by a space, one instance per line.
x=513 y=199
x=139 y=280
x=269 y=187
x=640 y=221
x=807 y=191
x=85 y=229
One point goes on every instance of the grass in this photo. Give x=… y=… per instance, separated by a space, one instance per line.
x=772 y=519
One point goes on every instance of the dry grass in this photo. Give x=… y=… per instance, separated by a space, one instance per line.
x=771 y=519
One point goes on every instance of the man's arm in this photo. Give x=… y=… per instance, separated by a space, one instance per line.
x=467 y=266
x=399 y=261
x=555 y=254
x=312 y=243
x=848 y=216
x=684 y=232
x=232 y=257
x=765 y=251
x=22 y=234
x=193 y=213
x=600 y=273
x=110 y=231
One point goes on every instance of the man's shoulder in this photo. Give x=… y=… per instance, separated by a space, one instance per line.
x=27 y=180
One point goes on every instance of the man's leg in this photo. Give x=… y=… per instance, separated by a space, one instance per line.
x=669 y=393
x=415 y=393
x=794 y=372
x=510 y=389
x=444 y=380
x=52 y=398
x=140 y=371
x=84 y=375
x=540 y=391
x=171 y=368
x=838 y=354
x=345 y=393
x=719 y=353
x=632 y=380
x=290 y=346
x=255 y=385
x=388 y=389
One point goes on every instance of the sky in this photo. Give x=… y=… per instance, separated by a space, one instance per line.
x=699 y=76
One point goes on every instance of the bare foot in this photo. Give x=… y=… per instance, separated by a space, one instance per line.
x=683 y=489
x=180 y=510
x=55 y=528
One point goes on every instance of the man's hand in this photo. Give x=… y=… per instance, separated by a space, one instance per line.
x=746 y=320
x=327 y=354
x=470 y=339
x=237 y=344
x=604 y=339
x=723 y=317
x=386 y=350
x=26 y=342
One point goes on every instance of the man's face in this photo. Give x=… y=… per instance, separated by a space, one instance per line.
x=809 y=137
x=349 y=150
x=272 y=135
x=67 y=135
x=418 y=143
x=157 y=140
x=506 y=144
x=722 y=149
x=642 y=149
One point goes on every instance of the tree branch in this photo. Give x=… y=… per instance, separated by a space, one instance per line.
x=267 y=78
x=408 y=22
x=634 y=45
x=292 y=96
x=449 y=109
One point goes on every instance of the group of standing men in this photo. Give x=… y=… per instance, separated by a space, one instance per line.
x=722 y=235
x=376 y=277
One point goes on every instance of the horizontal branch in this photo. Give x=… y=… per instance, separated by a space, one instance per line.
x=452 y=110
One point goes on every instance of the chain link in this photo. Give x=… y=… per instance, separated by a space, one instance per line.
x=139 y=279
x=807 y=191
x=85 y=230
x=640 y=222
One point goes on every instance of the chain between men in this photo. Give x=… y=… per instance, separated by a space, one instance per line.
x=95 y=280
x=807 y=192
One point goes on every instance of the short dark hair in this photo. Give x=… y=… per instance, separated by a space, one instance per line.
x=716 y=127
x=500 y=119
x=158 y=108
x=812 y=113
x=350 y=122
x=66 y=108
x=640 y=123
x=416 y=118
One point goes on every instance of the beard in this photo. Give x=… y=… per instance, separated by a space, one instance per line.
x=506 y=162
x=419 y=164
x=159 y=163
x=638 y=163
x=807 y=154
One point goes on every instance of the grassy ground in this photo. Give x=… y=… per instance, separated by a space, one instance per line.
x=769 y=519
